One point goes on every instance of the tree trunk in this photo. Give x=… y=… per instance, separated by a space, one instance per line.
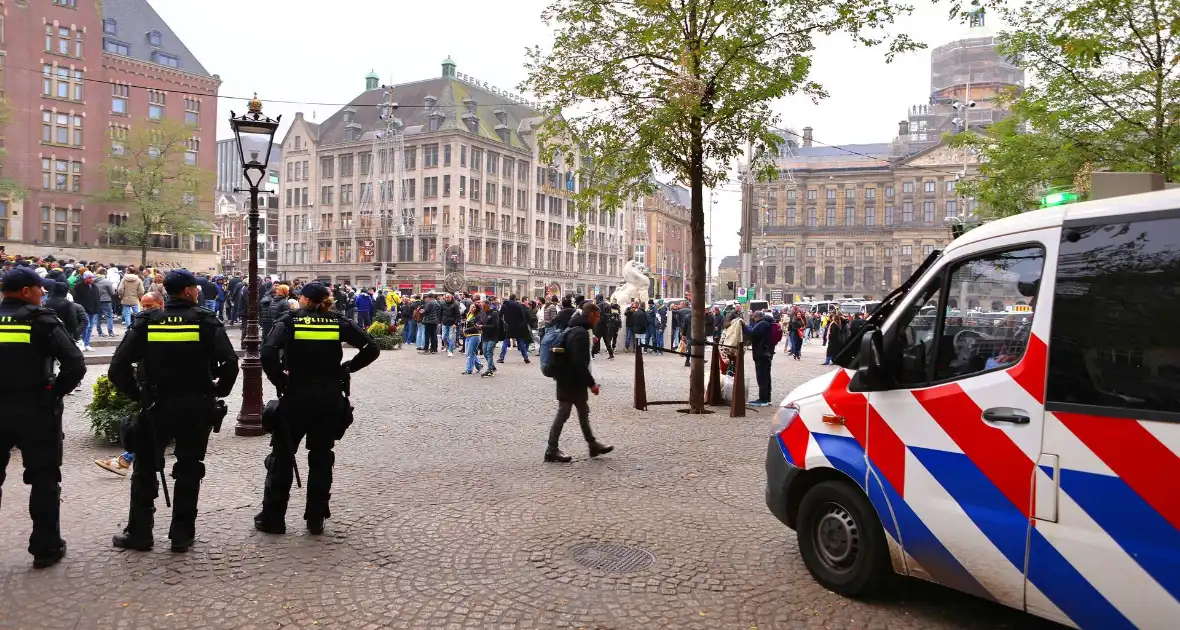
x=696 y=376
x=143 y=245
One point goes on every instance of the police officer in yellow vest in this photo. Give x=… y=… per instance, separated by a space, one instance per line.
x=302 y=358
x=188 y=362
x=31 y=338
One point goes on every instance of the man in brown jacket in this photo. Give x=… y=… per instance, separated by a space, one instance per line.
x=130 y=290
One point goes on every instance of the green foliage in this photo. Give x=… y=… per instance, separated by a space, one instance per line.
x=1106 y=94
x=9 y=187
x=386 y=335
x=107 y=410
x=681 y=87
x=384 y=317
x=150 y=181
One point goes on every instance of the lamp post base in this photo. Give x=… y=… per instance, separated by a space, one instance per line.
x=250 y=416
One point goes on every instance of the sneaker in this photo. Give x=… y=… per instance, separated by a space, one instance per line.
x=116 y=464
x=465 y=372
x=759 y=403
x=88 y=348
x=486 y=374
x=450 y=354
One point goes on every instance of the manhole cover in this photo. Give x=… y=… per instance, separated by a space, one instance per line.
x=612 y=558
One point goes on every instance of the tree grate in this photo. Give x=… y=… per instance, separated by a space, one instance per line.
x=611 y=558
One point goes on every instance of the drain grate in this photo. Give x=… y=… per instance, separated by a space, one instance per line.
x=612 y=558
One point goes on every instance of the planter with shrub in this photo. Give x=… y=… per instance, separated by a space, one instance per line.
x=108 y=409
x=387 y=335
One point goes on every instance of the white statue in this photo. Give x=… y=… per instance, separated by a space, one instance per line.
x=635 y=283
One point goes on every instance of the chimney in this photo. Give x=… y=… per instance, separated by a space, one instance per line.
x=903 y=129
x=807 y=136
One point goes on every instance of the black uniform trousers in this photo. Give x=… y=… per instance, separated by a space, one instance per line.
x=36 y=431
x=309 y=412
x=188 y=422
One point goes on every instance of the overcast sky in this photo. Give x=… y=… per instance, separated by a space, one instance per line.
x=300 y=55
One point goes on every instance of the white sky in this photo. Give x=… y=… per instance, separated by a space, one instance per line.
x=312 y=52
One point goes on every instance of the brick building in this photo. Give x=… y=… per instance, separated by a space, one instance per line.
x=78 y=75
x=660 y=239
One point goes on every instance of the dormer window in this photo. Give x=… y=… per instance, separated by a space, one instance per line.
x=154 y=38
x=470 y=103
x=429 y=101
x=501 y=116
x=435 y=121
x=110 y=26
x=348 y=113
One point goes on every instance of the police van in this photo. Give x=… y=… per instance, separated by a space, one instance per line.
x=1030 y=460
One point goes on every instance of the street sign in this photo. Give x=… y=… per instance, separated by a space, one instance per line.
x=742 y=295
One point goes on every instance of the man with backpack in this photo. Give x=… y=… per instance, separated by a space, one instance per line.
x=565 y=357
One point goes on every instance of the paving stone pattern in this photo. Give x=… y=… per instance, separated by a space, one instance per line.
x=444 y=516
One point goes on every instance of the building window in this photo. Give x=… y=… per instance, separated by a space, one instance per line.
x=110 y=26
x=119 y=95
x=907 y=250
x=430 y=155
x=788 y=252
x=165 y=59
x=346 y=193
x=61 y=175
x=429 y=187
x=870 y=216
x=59 y=128
x=476 y=158
x=811 y=194
x=811 y=218
x=61 y=82
x=870 y=193
x=907 y=187
x=116 y=47
x=811 y=252
x=888 y=215
x=192 y=146
x=952 y=209
x=809 y=276
x=154 y=38
x=156 y=100
x=850 y=193
x=69 y=4
x=326 y=194
x=889 y=191
x=61 y=225
x=950 y=185
x=490 y=195
x=790 y=217
x=831 y=193
x=849 y=215
x=928 y=186
x=411 y=154
x=867 y=278
x=907 y=212
x=327 y=167
x=831 y=215
x=927 y=249
x=192 y=112
x=346 y=165
x=928 y=211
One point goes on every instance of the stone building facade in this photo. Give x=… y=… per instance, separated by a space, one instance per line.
x=479 y=199
x=106 y=68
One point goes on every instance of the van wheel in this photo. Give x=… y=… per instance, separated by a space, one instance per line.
x=841 y=539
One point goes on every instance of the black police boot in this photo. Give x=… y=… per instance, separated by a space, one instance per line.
x=598 y=448
x=182 y=543
x=44 y=561
x=315 y=517
x=269 y=525
x=315 y=526
x=137 y=536
x=557 y=455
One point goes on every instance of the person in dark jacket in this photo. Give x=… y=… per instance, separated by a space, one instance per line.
x=492 y=330
x=447 y=319
x=572 y=385
x=364 y=308
x=431 y=315
x=601 y=328
x=240 y=292
x=758 y=332
x=686 y=333
x=835 y=335
x=64 y=308
x=796 y=328
x=279 y=304
x=639 y=326
x=515 y=327
x=265 y=314
x=209 y=292
x=86 y=295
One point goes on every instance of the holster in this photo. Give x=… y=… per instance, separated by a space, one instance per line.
x=219 y=412
x=344 y=418
x=270 y=416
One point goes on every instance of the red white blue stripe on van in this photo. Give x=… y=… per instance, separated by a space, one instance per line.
x=958 y=495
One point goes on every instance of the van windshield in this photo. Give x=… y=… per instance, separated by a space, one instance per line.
x=847 y=355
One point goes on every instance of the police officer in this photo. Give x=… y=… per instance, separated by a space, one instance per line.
x=31 y=339
x=188 y=362
x=302 y=358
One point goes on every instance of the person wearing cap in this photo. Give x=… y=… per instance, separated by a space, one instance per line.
x=31 y=339
x=86 y=294
x=302 y=358
x=188 y=362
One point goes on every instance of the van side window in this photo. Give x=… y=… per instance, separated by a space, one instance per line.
x=1115 y=315
x=916 y=339
x=976 y=336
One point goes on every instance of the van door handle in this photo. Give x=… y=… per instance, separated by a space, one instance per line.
x=1006 y=414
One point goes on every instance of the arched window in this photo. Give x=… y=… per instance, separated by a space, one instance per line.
x=154 y=38
x=110 y=26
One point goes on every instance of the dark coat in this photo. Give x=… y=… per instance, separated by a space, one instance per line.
x=512 y=313
x=87 y=295
x=758 y=334
x=639 y=322
x=574 y=381
x=450 y=313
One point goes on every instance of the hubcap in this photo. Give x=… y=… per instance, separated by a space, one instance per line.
x=837 y=538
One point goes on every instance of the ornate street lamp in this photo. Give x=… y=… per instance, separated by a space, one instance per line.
x=258 y=128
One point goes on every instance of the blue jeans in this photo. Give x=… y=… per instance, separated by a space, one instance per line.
x=448 y=336
x=489 y=350
x=675 y=337
x=91 y=324
x=109 y=315
x=627 y=340
x=411 y=330
x=659 y=340
x=520 y=344
x=471 y=345
x=211 y=305
x=421 y=336
x=128 y=311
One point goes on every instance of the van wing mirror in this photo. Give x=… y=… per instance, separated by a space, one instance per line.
x=870 y=371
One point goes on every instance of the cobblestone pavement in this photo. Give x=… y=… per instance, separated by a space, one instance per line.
x=445 y=517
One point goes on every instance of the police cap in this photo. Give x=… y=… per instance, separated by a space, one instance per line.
x=21 y=277
x=178 y=280
x=315 y=292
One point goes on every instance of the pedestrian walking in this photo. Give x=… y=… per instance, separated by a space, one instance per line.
x=302 y=358
x=573 y=381
x=188 y=363
x=491 y=329
x=32 y=340
x=759 y=333
x=130 y=290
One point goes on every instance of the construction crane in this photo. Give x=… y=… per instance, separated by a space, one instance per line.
x=384 y=197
